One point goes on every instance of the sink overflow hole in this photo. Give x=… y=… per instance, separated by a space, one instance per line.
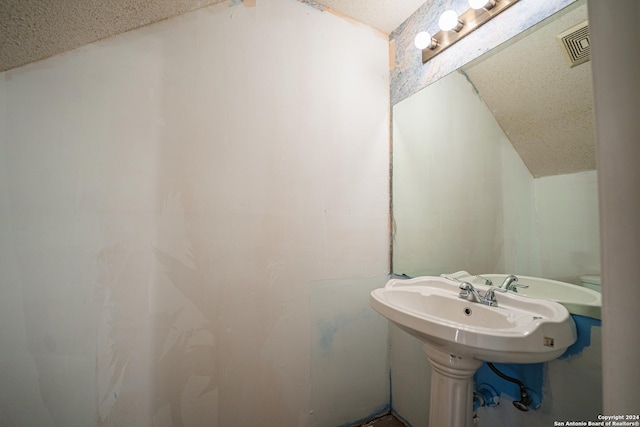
x=467 y=311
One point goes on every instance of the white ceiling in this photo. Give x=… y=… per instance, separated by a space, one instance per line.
x=33 y=29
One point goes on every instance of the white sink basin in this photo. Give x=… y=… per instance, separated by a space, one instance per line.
x=577 y=299
x=518 y=330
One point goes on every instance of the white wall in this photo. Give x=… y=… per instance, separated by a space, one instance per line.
x=567 y=225
x=463 y=199
x=191 y=217
x=617 y=107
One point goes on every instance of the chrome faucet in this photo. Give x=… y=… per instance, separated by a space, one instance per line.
x=510 y=284
x=468 y=292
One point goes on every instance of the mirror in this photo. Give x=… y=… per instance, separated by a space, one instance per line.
x=494 y=165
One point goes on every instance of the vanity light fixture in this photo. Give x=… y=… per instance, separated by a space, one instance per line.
x=449 y=21
x=482 y=4
x=425 y=41
x=454 y=27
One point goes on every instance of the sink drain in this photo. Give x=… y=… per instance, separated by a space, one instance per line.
x=467 y=311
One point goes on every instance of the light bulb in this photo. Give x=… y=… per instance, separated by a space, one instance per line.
x=480 y=4
x=424 y=40
x=449 y=21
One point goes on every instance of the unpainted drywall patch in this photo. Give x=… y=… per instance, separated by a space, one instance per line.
x=348 y=347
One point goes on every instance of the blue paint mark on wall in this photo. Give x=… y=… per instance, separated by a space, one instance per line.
x=326 y=331
x=583 y=330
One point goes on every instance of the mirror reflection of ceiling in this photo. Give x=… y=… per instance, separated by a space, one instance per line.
x=34 y=30
x=543 y=106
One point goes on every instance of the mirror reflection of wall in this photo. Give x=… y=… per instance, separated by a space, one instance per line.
x=485 y=183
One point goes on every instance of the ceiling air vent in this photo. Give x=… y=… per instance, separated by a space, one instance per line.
x=576 y=44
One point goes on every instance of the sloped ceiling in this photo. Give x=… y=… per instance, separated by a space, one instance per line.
x=33 y=29
x=543 y=105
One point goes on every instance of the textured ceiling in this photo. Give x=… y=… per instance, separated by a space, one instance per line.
x=34 y=29
x=543 y=106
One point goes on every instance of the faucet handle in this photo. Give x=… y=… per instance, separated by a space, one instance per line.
x=490 y=296
x=466 y=286
x=514 y=286
x=487 y=281
x=492 y=290
x=466 y=290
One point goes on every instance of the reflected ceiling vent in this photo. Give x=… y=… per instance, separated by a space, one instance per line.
x=576 y=44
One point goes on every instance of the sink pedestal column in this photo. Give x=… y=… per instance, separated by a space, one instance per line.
x=451 y=388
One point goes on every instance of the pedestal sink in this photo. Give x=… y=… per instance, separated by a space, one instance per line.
x=576 y=299
x=458 y=335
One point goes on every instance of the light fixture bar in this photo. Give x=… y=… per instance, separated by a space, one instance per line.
x=471 y=19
